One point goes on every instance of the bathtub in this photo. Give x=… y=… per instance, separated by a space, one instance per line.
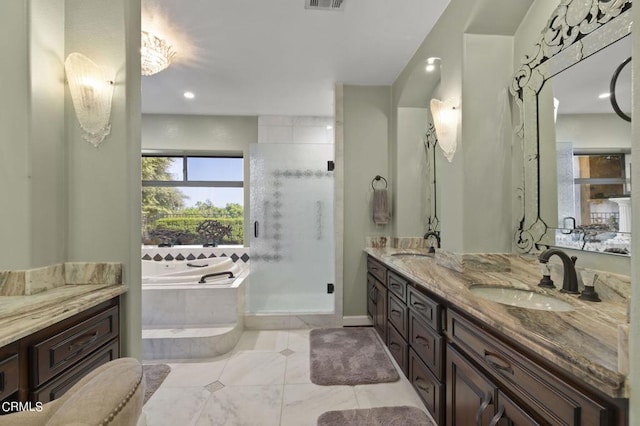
x=183 y=272
x=183 y=319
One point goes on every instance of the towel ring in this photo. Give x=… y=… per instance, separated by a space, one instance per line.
x=377 y=178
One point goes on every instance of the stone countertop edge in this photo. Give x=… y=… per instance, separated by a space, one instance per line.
x=33 y=317
x=588 y=352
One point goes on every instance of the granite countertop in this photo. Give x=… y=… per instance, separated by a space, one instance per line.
x=582 y=342
x=21 y=316
x=33 y=299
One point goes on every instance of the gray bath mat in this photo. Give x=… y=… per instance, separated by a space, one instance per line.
x=381 y=416
x=154 y=375
x=349 y=356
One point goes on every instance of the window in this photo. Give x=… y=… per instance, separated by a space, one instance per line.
x=192 y=199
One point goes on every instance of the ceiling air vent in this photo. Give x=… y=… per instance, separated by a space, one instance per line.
x=324 y=4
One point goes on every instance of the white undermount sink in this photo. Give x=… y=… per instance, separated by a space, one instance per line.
x=410 y=254
x=521 y=298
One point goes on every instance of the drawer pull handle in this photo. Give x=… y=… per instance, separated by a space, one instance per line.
x=422 y=341
x=396 y=312
x=81 y=343
x=419 y=384
x=486 y=400
x=497 y=417
x=497 y=362
x=396 y=285
x=394 y=345
x=419 y=306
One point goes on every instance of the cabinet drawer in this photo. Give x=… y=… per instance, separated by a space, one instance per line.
x=426 y=308
x=56 y=354
x=398 y=348
x=549 y=396
x=376 y=269
x=398 y=314
x=430 y=390
x=58 y=386
x=397 y=285
x=427 y=344
x=9 y=378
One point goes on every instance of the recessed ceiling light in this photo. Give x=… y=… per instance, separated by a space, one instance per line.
x=189 y=95
x=329 y=127
x=604 y=95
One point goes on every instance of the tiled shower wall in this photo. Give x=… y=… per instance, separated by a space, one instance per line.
x=237 y=254
x=298 y=129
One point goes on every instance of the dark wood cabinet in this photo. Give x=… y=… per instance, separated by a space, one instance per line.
x=9 y=370
x=545 y=396
x=45 y=364
x=377 y=296
x=377 y=269
x=466 y=373
x=380 y=318
x=470 y=394
x=427 y=343
x=399 y=348
x=397 y=314
x=371 y=297
x=510 y=413
x=397 y=285
x=413 y=331
x=428 y=387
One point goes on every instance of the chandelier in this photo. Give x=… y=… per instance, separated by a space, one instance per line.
x=156 y=54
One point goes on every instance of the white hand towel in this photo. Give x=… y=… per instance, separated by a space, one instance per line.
x=380 y=207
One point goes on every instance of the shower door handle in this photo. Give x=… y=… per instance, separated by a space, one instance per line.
x=256 y=227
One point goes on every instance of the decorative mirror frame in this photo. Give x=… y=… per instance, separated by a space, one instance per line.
x=576 y=30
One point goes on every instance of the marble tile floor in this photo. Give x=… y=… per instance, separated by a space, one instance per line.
x=263 y=381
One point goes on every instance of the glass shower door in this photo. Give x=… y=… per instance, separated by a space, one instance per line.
x=292 y=240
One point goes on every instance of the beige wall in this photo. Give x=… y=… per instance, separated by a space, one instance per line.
x=475 y=70
x=486 y=144
x=103 y=185
x=64 y=199
x=199 y=133
x=32 y=134
x=367 y=116
x=593 y=130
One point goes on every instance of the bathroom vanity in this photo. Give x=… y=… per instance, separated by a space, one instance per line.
x=474 y=361
x=51 y=339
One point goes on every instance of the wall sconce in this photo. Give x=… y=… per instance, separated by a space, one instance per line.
x=91 y=92
x=445 y=120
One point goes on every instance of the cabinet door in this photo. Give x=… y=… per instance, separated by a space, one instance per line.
x=9 y=370
x=510 y=414
x=470 y=394
x=380 y=318
x=371 y=297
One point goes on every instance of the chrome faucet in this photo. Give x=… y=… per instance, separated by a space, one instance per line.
x=570 y=280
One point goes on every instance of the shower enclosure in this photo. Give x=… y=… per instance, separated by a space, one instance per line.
x=292 y=238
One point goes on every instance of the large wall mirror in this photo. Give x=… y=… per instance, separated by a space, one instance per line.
x=576 y=177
